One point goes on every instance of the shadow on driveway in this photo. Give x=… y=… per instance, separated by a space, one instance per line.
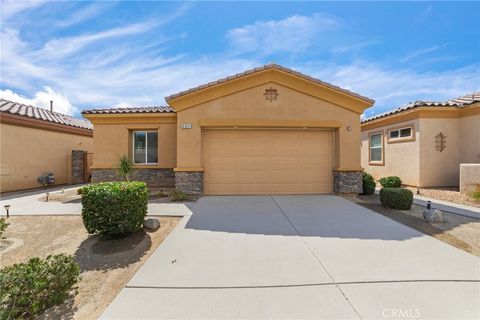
x=308 y=215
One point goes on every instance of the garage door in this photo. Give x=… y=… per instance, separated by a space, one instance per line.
x=267 y=161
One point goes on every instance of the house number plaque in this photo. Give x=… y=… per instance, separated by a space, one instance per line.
x=186 y=126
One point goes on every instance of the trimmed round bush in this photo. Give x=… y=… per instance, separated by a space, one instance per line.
x=28 y=289
x=368 y=184
x=396 y=198
x=390 y=182
x=114 y=208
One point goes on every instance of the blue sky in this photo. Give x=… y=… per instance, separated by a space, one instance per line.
x=98 y=54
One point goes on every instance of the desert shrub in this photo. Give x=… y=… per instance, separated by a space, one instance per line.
x=368 y=183
x=396 y=198
x=114 y=208
x=476 y=194
x=177 y=195
x=3 y=227
x=391 y=182
x=28 y=289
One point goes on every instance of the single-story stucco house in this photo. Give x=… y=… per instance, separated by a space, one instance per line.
x=424 y=143
x=36 y=141
x=269 y=130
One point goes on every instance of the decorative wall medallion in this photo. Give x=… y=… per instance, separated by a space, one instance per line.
x=271 y=94
x=440 y=142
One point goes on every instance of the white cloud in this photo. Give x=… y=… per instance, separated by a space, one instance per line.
x=292 y=34
x=61 y=47
x=11 y=7
x=417 y=53
x=83 y=14
x=42 y=99
x=392 y=88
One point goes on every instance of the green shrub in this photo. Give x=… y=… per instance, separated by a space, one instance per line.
x=80 y=191
x=396 y=198
x=368 y=183
x=28 y=289
x=391 y=182
x=177 y=195
x=3 y=227
x=114 y=208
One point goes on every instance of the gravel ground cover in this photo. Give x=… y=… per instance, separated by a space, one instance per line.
x=447 y=194
x=106 y=265
x=459 y=231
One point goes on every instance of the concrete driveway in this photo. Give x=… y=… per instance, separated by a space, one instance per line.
x=299 y=257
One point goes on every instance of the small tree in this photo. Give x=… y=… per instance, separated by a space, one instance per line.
x=125 y=167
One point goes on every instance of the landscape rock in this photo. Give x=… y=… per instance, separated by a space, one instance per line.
x=433 y=215
x=151 y=224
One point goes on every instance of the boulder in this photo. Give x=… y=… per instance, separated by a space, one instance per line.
x=433 y=215
x=151 y=224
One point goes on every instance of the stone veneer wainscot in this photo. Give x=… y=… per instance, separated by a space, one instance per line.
x=153 y=177
x=347 y=181
x=189 y=182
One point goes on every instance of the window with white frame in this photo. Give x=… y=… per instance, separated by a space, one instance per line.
x=401 y=133
x=376 y=147
x=145 y=147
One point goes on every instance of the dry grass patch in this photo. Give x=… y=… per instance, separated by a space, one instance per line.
x=106 y=265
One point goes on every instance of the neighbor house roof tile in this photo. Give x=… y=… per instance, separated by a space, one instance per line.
x=456 y=102
x=159 y=109
x=23 y=110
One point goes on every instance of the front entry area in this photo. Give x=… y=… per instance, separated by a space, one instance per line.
x=267 y=161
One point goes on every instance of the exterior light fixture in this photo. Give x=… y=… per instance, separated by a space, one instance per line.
x=7 y=208
x=47 y=194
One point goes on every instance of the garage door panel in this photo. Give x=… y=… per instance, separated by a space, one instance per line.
x=221 y=188
x=220 y=175
x=252 y=161
x=267 y=161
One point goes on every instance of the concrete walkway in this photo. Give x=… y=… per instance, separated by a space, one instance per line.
x=298 y=257
x=27 y=203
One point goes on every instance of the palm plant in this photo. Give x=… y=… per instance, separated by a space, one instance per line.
x=125 y=167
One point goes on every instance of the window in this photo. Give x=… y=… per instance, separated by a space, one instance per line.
x=376 y=147
x=145 y=147
x=402 y=133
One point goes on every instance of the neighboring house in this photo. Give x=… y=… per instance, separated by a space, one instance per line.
x=423 y=143
x=36 y=141
x=270 y=130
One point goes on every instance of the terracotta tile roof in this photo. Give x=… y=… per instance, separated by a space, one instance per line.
x=456 y=102
x=18 y=109
x=160 y=109
x=262 y=68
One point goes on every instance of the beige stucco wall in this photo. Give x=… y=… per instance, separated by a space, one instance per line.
x=439 y=168
x=470 y=139
x=469 y=177
x=111 y=141
x=250 y=104
x=27 y=153
x=400 y=158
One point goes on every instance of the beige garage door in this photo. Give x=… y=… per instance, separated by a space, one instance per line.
x=267 y=161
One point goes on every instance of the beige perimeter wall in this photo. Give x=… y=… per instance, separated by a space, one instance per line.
x=250 y=107
x=27 y=153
